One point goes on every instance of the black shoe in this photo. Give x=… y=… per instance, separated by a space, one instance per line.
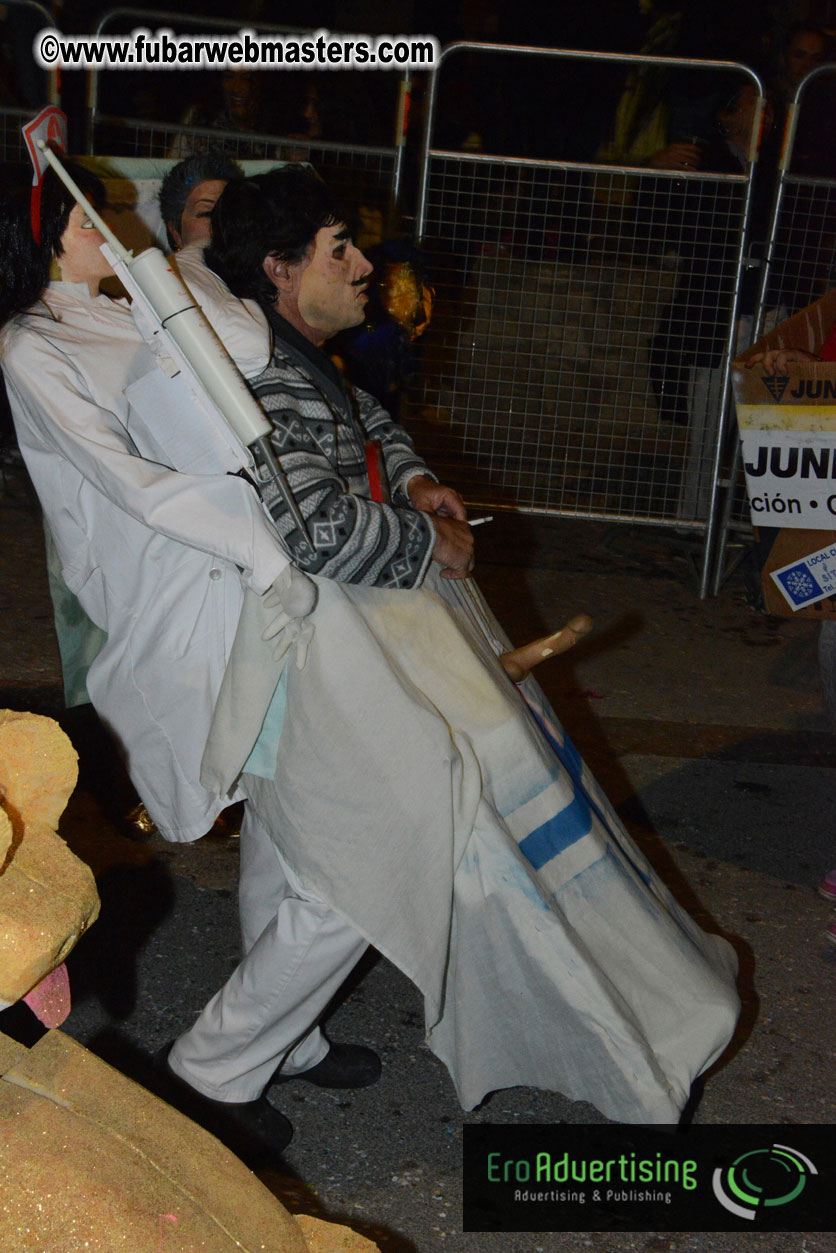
x=343 y=1066
x=253 y=1130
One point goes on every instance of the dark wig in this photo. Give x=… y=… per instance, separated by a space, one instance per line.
x=183 y=177
x=24 y=265
x=277 y=214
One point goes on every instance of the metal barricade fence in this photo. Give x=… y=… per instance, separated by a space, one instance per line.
x=577 y=307
x=369 y=169
x=799 y=253
x=13 y=118
x=355 y=172
x=12 y=121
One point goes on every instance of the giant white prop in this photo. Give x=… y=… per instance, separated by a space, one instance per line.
x=223 y=420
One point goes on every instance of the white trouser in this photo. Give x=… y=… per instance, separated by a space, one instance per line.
x=297 y=953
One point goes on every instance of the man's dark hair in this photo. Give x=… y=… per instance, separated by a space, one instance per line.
x=277 y=214
x=183 y=177
x=24 y=265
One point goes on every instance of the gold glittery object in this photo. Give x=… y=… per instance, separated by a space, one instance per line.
x=140 y=819
x=405 y=298
x=91 y=1161
x=325 y=1237
x=48 y=897
x=401 y=297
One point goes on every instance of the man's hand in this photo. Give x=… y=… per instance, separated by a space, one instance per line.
x=776 y=360
x=435 y=498
x=678 y=156
x=453 y=547
x=453 y=537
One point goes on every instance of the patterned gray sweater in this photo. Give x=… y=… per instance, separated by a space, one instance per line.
x=319 y=431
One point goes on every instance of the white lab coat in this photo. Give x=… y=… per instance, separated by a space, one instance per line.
x=245 y=332
x=156 y=558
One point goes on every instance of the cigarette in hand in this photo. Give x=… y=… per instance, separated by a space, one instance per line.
x=479 y=521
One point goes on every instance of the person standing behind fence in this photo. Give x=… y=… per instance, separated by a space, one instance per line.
x=241 y=107
x=804 y=263
x=694 y=328
x=814 y=146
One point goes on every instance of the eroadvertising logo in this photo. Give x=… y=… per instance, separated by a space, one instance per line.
x=614 y=1177
x=762 y=1177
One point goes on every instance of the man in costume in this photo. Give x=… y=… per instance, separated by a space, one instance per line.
x=297 y=947
x=413 y=790
x=265 y=1016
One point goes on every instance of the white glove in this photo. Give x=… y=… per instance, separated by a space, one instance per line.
x=294 y=596
x=284 y=632
x=293 y=592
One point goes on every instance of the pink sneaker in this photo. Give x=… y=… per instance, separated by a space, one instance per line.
x=830 y=932
x=827 y=887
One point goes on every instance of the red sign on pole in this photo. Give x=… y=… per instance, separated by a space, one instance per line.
x=50 y=127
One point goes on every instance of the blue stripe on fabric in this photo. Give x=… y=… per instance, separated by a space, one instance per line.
x=547 y=836
x=566 y=753
x=571 y=758
x=558 y=833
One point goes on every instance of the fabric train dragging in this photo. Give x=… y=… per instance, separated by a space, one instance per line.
x=461 y=832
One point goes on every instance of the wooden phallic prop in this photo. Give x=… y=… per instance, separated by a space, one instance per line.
x=519 y=661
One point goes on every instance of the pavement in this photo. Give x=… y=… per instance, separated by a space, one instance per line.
x=704 y=722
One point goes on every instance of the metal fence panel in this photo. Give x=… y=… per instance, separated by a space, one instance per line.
x=13 y=118
x=355 y=172
x=567 y=299
x=578 y=358
x=799 y=255
x=803 y=268
x=805 y=244
x=359 y=148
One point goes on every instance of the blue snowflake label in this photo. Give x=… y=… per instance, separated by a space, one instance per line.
x=808 y=580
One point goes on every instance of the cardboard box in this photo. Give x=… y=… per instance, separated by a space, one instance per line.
x=787 y=429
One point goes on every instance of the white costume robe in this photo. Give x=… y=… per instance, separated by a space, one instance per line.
x=418 y=794
x=155 y=557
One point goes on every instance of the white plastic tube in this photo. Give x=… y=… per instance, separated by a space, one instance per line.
x=179 y=315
